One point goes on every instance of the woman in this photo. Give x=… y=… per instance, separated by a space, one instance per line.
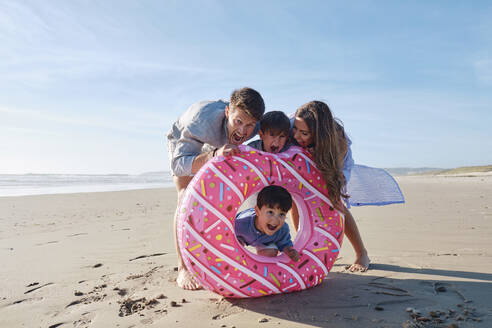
x=316 y=130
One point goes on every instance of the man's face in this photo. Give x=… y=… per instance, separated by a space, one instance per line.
x=240 y=125
x=273 y=142
x=269 y=220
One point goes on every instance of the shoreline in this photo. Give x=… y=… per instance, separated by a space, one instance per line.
x=169 y=185
x=82 y=190
x=40 y=184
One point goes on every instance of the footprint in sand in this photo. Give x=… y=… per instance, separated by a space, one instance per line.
x=85 y=320
x=27 y=300
x=93 y=296
x=129 y=306
x=121 y=291
x=78 y=234
x=57 y=325
x=49 y=242
x=144 y=256
x=146 y=321
x=36 y=288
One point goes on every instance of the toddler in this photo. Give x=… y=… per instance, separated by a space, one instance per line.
x=264 y=226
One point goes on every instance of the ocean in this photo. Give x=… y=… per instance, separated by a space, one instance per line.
x=39 y=184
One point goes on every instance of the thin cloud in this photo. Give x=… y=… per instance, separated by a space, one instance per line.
x=46 y=44
x=63 y=67
x=9 y=130
x=114 y=124
x=483 y=71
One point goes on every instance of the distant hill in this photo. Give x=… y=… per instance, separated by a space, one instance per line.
x=435 y=171
x=412 y=170
x=464 y=170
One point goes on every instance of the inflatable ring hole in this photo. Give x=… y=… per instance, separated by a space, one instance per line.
x=250 y=202
x=299 y=238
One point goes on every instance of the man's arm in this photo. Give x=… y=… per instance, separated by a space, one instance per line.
x=202 y=123
x=200 y=160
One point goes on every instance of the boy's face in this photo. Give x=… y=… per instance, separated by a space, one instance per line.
x=273 y=142
x=269 y=220
x=240 y=125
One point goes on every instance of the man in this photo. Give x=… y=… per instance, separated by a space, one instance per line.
x=205 y=130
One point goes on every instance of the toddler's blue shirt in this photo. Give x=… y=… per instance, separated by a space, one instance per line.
x=247 y=233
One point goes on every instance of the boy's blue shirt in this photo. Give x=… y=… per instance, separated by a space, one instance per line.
x=258 y=144
x=247 y=233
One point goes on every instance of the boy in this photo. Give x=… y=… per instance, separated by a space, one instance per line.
x=274 y=133
x=264 y=226
x=205 y=130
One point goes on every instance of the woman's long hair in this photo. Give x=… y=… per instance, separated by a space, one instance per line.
x=325 y=132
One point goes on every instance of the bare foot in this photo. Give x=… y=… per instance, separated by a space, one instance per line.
x=361 y=264
x=186 y=280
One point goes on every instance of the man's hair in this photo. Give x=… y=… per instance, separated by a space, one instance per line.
x=248 y=100
x=276 y=122
x=274 y=196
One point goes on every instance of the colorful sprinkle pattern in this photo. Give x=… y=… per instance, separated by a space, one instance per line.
x=206 y=224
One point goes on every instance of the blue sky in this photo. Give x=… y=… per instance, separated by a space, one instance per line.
x=93 y=86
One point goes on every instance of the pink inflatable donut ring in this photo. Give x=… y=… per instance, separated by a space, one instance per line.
x=206 y=216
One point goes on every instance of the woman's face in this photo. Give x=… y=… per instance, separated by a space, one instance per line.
x=301 y=132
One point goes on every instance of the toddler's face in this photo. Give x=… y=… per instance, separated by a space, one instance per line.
x=301 y=133
x=272 y=142
x=269 y=220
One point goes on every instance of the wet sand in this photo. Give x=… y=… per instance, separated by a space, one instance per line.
x=108 y=260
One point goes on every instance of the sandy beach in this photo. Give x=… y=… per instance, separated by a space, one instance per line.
x=108 y=260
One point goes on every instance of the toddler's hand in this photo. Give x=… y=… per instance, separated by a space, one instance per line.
x=292 y=253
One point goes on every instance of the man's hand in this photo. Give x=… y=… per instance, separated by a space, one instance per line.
x=292 y=253
x=200 y=160
x=227 y=150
